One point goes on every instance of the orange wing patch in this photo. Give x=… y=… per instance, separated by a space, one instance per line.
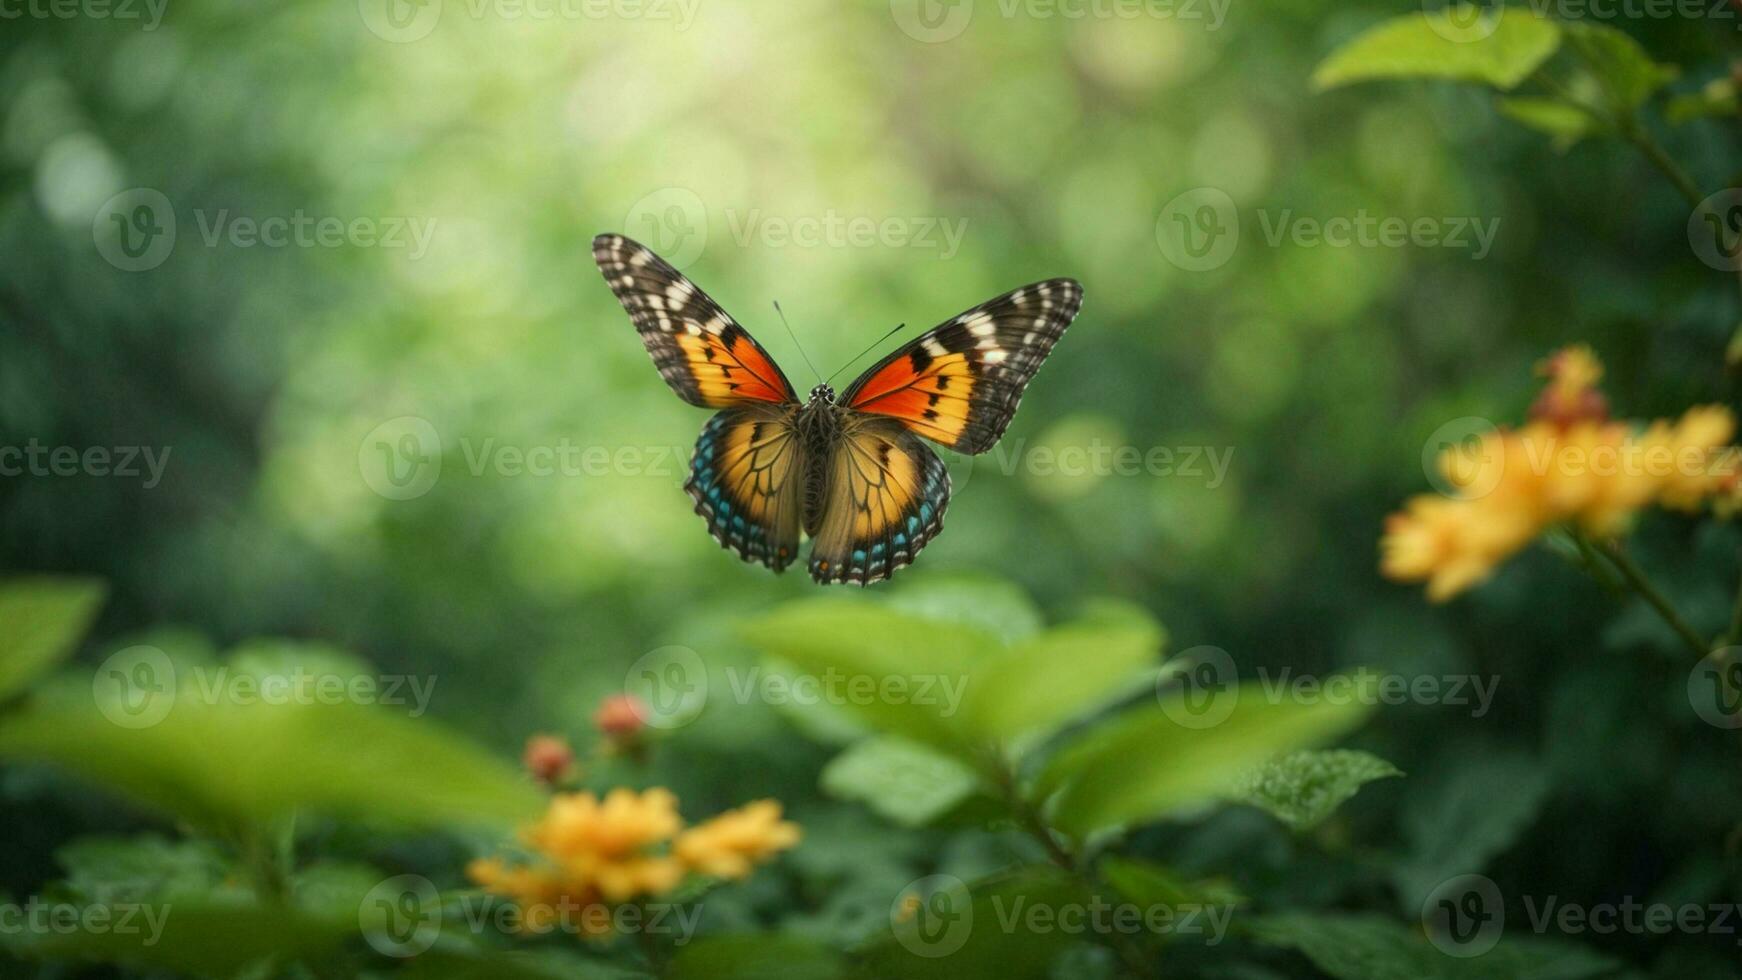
x=932 y=396
x=726 y=369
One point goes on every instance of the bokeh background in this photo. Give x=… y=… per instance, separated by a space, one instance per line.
x=308 y=394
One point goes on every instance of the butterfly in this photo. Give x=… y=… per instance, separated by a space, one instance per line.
x=853 y=474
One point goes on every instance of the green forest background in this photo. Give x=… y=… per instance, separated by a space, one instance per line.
x=1060 y=146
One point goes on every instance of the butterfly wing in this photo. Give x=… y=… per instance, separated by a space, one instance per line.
x=958 y=384
x=884 y=499
x=747 y=479
x=700 y=351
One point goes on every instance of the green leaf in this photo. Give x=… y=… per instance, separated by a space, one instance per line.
x=1362 y=947
x=1149 y=885
x=989 y=604
x=41 y=621
x=1303 y=788
x=1455 y=824
x=1500 y=48
x=1566 y=122
x=1145 y=765
x=754 y=957
x=1059 y=675
x=1623 y=70
x=189 y=937
x=138 y=869
x=986 y=929
x=900 y=780
x=1716 y=98
x=899 y=673
x=218 y=762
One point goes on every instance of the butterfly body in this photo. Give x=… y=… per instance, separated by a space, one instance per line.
x=852 y=473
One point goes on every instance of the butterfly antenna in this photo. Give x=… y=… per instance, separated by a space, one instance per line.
x=879 y=340
x=795 y=343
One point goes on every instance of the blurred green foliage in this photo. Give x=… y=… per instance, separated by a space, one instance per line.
x=267 y=379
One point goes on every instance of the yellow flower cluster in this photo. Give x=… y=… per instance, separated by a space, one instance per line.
x=595 y=853
x=1569 y=465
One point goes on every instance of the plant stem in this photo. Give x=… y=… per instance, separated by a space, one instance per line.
x=1734 y=636
x=1640 y=137
x=1636 y=578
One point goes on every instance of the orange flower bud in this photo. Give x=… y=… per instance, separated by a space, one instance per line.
x=620 y=716
x=548 y=758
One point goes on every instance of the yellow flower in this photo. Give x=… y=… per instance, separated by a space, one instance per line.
x=595 y=853
x=1568 y=466
x=728 y=845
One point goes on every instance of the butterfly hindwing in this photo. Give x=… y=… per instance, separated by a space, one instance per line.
x=884 y=499
x=959 y=383
x=747 y=479
x=700 y=351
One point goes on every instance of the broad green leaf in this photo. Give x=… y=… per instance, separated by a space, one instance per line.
x=998 y=607
x=1059 y=675
x=188 y=937
x=1303 y=788
x=1714 y=99
x=1363 y=947
x=1625 y=72
x=944 y=929
x=1145 y=765
x=755 y=957
x=899 y=673
x=138 y=869
x=1149 y=885
x=1566 y=122
x=1499 y=48
x=217 y=763
x=1455 y=824
x=460 y=962
x=41 y=621
x=900 y=780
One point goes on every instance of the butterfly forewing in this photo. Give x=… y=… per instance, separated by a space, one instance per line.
x=959 y=383
x=700 y=351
